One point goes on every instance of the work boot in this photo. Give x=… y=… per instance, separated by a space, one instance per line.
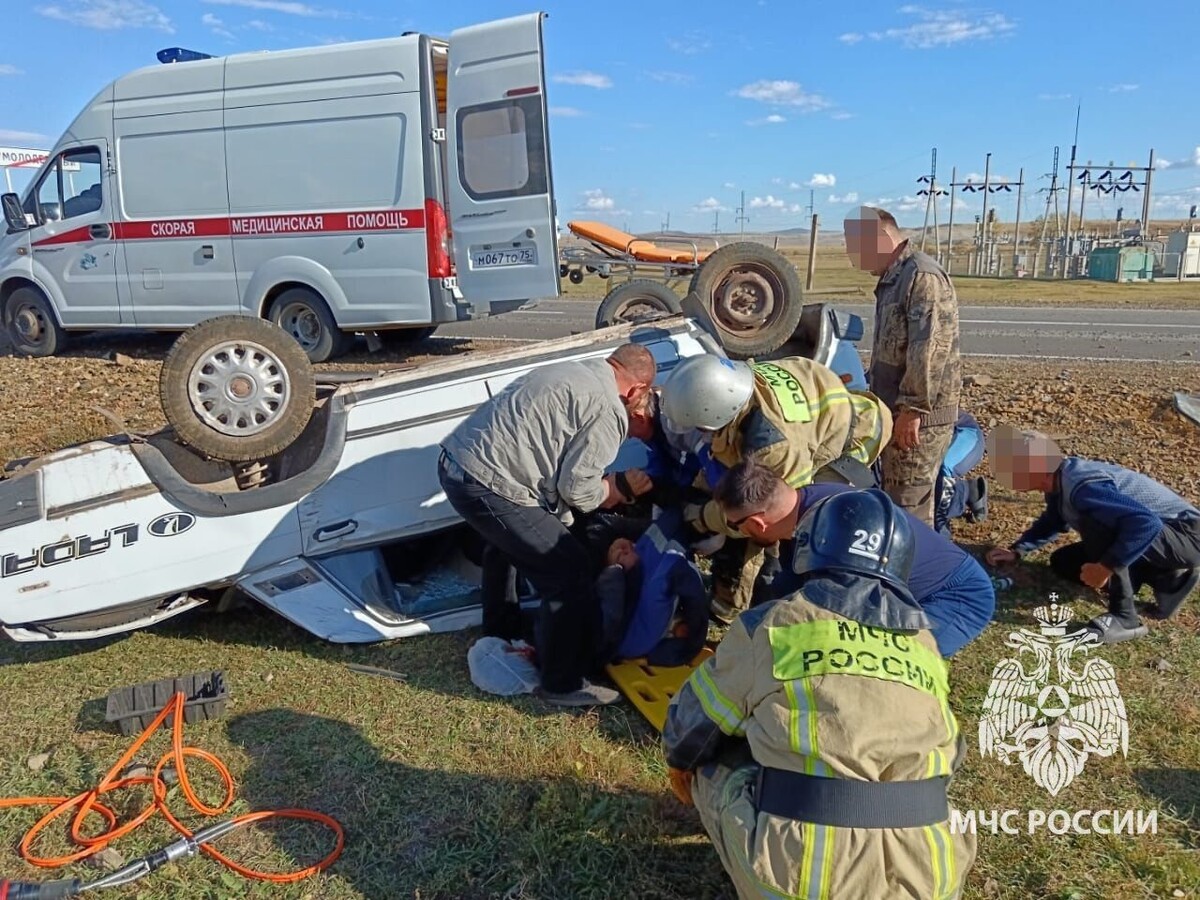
x=1177 y=586
x=587 y=694
x=1110 y=629
x=977 y=500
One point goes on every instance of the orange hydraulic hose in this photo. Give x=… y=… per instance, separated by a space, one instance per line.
x=88 y=802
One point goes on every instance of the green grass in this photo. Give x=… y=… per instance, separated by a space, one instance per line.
x=835 y=274
x=446 y=792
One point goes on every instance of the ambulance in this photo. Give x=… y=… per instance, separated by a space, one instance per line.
x=384 y=186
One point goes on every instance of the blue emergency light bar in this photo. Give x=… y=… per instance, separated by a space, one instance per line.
x=179 y=54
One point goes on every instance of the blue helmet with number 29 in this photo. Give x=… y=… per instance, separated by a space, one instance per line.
x=862 y=532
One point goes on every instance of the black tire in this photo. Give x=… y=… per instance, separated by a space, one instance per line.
x=404 y=337
x=753 y=295
x=562 y=270
x=30 y=323
x=575 y=276
x=200 y=406
x=304 y=314
x=639 y=300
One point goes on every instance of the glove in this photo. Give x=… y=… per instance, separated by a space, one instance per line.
x=681 y=784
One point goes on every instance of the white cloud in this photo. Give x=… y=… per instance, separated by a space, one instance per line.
x=9 y=69
x=841 y=116
x=1054 y=96
x=260 y=25
x=565 y=112
x=782 y=93
x=690 y=43
x=1181 y=164
x=215 y=25
x=585 y=79
x=287 y=7
x=1122 y=88
x=820 y=180
x=769 y=120
x=796 y=208
x=712 y=204
x=729 y=185
x=671 y=77
x=109 y=15
x=939 y=28
x=851 y=197
x=26 y=138
x=767 y=202
x=596 y=200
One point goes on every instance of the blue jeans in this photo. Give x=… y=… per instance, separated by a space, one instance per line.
x=961 y=607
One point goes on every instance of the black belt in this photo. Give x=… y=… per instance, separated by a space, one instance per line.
x=847 y=803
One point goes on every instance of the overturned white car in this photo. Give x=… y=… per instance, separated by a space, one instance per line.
x=310 y=496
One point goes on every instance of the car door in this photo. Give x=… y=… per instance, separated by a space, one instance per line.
x=500 y=196
x=75 y=254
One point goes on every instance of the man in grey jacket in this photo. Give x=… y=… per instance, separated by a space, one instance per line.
x=521 y=466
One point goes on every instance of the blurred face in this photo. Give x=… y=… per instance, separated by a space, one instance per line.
x=1019 y=462
x=641 y=420
x=621 y=553
x=868 y=243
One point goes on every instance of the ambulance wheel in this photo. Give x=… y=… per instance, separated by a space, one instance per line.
x=304 y=315
x=637 y=301
x=30 y=323
x=753 y=296
x=237 y=388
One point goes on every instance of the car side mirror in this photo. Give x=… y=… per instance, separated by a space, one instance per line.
x=13 y=214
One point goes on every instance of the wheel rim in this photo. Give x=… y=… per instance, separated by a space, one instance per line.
x=31 y=325
x=301 y=322
x=239 y=388
x=637 y=308
x=749 y=298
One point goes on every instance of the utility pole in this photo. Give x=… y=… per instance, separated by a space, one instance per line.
x=950 y=228
x=741 y=213
x=811 y=209
x=928 y=195
x=1052 y=194
x=716 y=221
x=987 y=167
x=1066 y=254
x=1017 y=227
x=666 y=226
x=1146 y=199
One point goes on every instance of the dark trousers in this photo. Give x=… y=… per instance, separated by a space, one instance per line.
x=1176 y=547
x=543 y=550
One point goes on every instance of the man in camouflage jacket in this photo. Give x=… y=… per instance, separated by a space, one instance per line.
x=916 y=367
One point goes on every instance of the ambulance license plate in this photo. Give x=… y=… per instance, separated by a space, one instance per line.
x=495 y=259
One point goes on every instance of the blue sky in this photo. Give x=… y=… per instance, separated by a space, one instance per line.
x=676 y=108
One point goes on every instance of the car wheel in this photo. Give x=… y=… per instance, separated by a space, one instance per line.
x=237 y=388
x=31 y=325
x=305 y=315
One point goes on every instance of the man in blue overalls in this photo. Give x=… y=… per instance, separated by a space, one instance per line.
x=951 y=588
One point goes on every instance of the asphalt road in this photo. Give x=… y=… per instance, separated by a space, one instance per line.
x=996 y=331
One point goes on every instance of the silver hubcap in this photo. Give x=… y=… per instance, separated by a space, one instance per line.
x=298 y=320
x=239 y=388
x=29 y=324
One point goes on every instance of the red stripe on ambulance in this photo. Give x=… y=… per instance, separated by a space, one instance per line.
x=252 y=226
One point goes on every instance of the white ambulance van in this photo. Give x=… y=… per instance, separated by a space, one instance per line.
x=384 y=186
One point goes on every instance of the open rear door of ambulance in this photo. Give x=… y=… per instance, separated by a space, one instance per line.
x=501 y=197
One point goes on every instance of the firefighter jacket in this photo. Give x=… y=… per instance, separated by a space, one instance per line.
x=915 y=361
x=812 y=683
x=800 y=417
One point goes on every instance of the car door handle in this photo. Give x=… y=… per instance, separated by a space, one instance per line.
x=100 y=231
x=336 y=531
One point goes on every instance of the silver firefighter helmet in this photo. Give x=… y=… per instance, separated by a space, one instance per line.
x=706 y=392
